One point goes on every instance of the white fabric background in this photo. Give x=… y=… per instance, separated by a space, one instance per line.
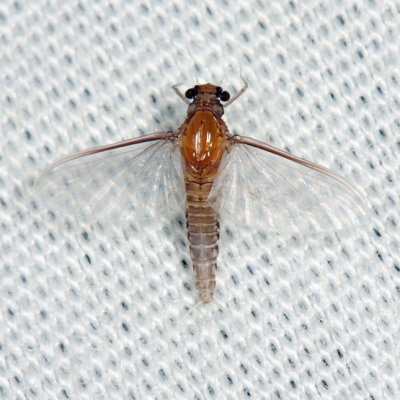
x=100 y=311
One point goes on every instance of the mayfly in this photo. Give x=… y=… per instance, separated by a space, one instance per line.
x=213 y=173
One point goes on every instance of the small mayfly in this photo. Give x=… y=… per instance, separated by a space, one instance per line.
x=214 y=173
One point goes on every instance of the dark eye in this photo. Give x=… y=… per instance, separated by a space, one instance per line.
x=191 y=93
x=223 y=94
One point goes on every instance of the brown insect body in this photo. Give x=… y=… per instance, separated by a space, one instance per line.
x=203 y=138
x=148 y=172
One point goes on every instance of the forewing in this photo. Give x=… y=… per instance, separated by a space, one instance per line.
x=139 y=178
x=260 y=185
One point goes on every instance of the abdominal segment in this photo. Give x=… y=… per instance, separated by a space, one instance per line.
x=203 y=233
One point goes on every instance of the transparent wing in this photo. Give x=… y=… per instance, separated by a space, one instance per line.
x=260 y=185
x=137 y=178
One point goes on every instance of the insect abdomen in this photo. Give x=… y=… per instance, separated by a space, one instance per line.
x=203 y=233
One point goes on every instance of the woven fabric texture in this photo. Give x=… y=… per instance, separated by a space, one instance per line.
x=106 y=309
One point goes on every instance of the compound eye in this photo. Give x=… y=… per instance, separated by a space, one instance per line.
x=222 y=94
x=191 y=93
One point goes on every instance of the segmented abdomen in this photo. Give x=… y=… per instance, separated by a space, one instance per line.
x=203 y=233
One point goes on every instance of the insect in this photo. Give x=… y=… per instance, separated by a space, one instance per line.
x=211 y=172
